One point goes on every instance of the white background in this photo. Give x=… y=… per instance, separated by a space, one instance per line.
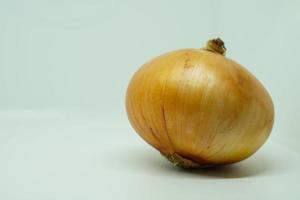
x=64 y=70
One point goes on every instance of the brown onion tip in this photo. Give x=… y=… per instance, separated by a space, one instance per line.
x=179 y=161
x=216 y=45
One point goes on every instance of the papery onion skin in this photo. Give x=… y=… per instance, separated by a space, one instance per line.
x=199 y=108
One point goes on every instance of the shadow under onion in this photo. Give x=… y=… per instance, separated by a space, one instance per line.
x=152 y=162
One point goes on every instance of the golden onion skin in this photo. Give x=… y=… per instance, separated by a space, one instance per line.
x=199 y=108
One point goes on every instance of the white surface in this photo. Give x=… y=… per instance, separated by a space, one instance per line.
x=72 y=155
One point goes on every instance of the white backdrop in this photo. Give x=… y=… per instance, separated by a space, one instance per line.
x=62 y=59
x=81 y=54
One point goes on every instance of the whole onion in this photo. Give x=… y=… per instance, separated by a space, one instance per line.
x=199 y=108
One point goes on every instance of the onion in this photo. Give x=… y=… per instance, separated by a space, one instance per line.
x=199 y=108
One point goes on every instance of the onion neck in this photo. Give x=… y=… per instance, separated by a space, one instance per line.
x=216 y=46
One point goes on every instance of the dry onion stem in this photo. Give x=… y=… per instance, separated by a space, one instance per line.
x=199 y=108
